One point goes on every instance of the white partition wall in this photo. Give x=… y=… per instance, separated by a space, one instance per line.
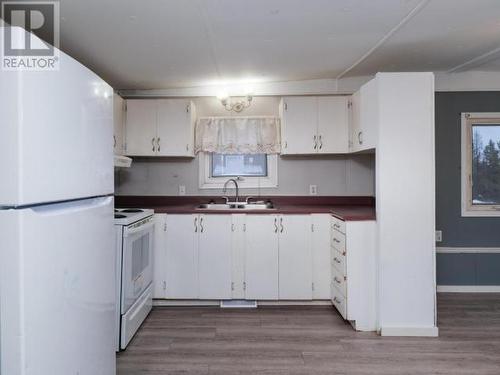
x=405 y=170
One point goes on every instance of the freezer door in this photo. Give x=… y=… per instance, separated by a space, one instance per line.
x=56 y=135
x=57 y=289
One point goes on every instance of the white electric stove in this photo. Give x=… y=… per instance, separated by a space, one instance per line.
x=134 y=230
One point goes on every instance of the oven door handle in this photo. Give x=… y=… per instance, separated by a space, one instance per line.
x=129 y=232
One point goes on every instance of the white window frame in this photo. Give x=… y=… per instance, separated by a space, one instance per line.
x=468 y=209
x=206 y=181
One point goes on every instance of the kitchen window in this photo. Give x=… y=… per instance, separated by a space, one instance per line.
x=481 y=164
x=244 y=165
x=252 y=170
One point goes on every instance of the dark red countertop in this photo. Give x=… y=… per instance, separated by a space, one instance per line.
x=344 y=208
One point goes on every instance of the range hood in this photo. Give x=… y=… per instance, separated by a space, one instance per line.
x=122 y=161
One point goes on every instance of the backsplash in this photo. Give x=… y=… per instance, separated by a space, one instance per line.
x=336 y=175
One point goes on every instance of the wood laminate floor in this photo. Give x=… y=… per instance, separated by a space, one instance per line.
x=312 y=340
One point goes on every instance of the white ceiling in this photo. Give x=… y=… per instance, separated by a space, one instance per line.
x=158 y=44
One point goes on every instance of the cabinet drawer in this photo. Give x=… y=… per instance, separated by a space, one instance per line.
x=338 y=261
x=339 y=281
x=338 y=224
x=338 y=240
x=339 y=301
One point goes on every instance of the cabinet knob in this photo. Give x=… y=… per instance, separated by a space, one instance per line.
x=320 y=143
x=158 y=144
x=360 y=138
x=315 y=142
x=153 y=143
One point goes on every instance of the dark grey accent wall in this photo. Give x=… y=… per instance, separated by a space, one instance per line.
x=461 y=269
x=459 y=231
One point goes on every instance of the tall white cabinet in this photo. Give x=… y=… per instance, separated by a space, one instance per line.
x=159 y=127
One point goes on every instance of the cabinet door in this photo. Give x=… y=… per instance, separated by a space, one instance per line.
x=261 y=257
x=299 y=125
x=118 y=124
x=214 y=259
x=333 y=126
x=175 y=127
x=182 y=256
x=140 y=127
x=238 y=227
x=321 y=269
x=159 y=256
x=355 y=122
x=368 y=116
x=295 y=262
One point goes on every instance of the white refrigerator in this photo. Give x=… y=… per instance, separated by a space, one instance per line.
x=57 y=254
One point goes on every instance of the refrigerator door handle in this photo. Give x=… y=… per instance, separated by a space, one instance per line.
x=77 y=205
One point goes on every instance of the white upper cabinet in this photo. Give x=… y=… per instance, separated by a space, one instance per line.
x=175 y=133
x=118 y=124
x=333 y=126
x=314 y=125
x=364 y=118
x=299 y=125
x=140 y=127
x=160 y=127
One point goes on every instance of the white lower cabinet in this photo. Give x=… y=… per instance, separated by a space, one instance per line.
x=321 y=270
x=353 y=276
x=214 y=257
x=295 y=259
x=261 y=257
x=242 y=256
x=182 y=257
x=160 y=256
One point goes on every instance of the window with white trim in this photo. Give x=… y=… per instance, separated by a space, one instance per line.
x=252 y=170
x=481 y=164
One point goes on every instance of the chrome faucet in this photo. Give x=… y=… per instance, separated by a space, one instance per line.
x=225 y=188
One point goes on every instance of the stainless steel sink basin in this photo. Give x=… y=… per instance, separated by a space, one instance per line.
x=236 y=206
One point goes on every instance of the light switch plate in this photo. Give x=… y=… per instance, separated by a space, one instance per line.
x=182 y=190
x=313 y=190
x=439 y=235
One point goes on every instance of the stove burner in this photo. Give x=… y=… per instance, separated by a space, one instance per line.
x=119 y=216
x=130 y=210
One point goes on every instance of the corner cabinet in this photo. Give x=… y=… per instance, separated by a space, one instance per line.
x=159 y=127
x=314 y=125
x=363 y=118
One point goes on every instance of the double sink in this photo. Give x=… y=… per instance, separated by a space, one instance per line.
x=237 y=206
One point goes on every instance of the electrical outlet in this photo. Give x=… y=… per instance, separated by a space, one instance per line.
x=182 y=190
x=313 y=190
x=439 y=235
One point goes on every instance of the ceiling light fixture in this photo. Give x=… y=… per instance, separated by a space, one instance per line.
x=236 y=106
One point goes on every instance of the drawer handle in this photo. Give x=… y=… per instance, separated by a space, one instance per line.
x=336 y=225
x=336 y=300
x=336 y=240
x=337 y=280
x=337 y=260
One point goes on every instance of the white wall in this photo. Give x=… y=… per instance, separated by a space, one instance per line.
x=334 y=175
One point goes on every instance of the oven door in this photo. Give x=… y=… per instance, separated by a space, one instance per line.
x=137 y=261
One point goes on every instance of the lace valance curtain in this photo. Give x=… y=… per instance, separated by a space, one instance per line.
x=238 y=135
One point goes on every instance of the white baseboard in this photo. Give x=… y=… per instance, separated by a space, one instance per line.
x=467 y=250
x=410 y=331
x=196 y=302
x=468 y=288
